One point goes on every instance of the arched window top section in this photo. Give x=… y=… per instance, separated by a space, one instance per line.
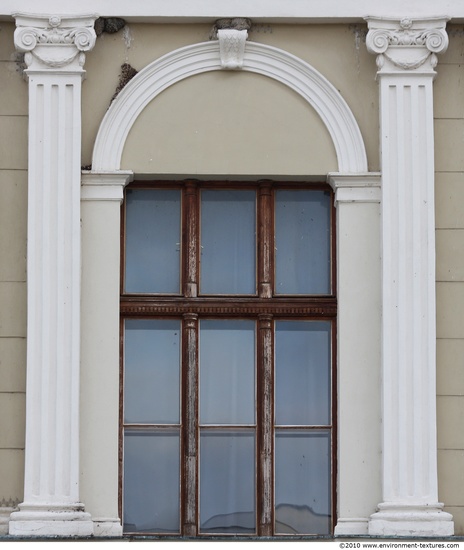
x=204 y=57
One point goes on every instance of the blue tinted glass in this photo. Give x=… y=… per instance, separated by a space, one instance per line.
x=153 y=241
x=302 y=482
x=151 y=481
x=227 y=481
x=228 y=242
x=151 y=371
x=227 y=372
x=302 y=242
x=302 y=373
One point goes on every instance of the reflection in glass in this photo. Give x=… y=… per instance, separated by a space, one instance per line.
x=151 y=371
x=227 y=372
x=302 y=372
x=151 y=481
x=228 y=235
x=302 y=241
x=227 y=481
x=302 y=482
x=153 y=241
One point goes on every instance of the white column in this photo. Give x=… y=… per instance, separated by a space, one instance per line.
x=101 y=196
x=357 y=199
x=406 y=57
x=54 y=57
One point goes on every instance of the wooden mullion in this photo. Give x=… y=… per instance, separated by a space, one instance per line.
x=190 y=248
x=265 y=399
x=190 y=425
x=265 y=240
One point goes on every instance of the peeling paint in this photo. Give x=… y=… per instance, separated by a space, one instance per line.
x=360 y=33
x=9 y=503
x=127 y=37
x=18 y=59
x=110 y=25
x=127 y=74
x=261 y=28
x=237 y=23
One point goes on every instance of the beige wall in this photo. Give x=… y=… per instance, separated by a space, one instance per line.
x=13 y=216
x=205 y=124
x=449 y=162
x=229 y=124
x=179 y=130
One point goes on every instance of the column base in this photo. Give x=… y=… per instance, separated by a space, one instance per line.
x=5 y=513
x=107 y=527
x=407 y=520
x=49 y=520
x=351 y=526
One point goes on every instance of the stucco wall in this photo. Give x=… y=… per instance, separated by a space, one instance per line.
x=449 y=186
x=175 y=130
x=13 y=216
x=205 y=124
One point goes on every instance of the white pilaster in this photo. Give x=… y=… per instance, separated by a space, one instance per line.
x=54 y=54
x=357 y=198
x=406 y=57
x=101 y=196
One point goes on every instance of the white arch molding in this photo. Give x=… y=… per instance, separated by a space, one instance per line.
x=204 y=57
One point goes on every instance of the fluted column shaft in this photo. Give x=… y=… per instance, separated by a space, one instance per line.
x=54 y=57
x=406 y=60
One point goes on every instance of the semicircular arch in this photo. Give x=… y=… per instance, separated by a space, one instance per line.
x=204 y=57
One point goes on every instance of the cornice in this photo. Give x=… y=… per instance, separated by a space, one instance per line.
x=52 y=42
x=406 y=44
x=264 y=11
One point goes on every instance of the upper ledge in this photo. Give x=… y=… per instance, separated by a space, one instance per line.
x=290 y=11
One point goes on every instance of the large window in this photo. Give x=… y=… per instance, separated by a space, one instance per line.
x=228 y=336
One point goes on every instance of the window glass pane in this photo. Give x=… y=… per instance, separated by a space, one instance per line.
x=302 y=482
x=151 y=481
x=227 y=481
x=153 y=241
x=302 y=372
x=302 y=242
x=228 y=248
x=227 y=372
x=152 y=371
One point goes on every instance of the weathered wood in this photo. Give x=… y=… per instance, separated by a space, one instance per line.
x=189 y=424
x=227 y=307
x=190 y=240
x=265 y=240
x=265 y=425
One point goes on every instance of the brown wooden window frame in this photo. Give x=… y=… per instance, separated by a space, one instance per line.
x=265 y=308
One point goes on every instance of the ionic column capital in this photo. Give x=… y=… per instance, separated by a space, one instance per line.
x=54 y=42
x=406 y=44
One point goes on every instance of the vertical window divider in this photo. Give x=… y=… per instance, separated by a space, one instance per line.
x=190 y=232
x=265 y=401
x=265 y=239
x=190 y=424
